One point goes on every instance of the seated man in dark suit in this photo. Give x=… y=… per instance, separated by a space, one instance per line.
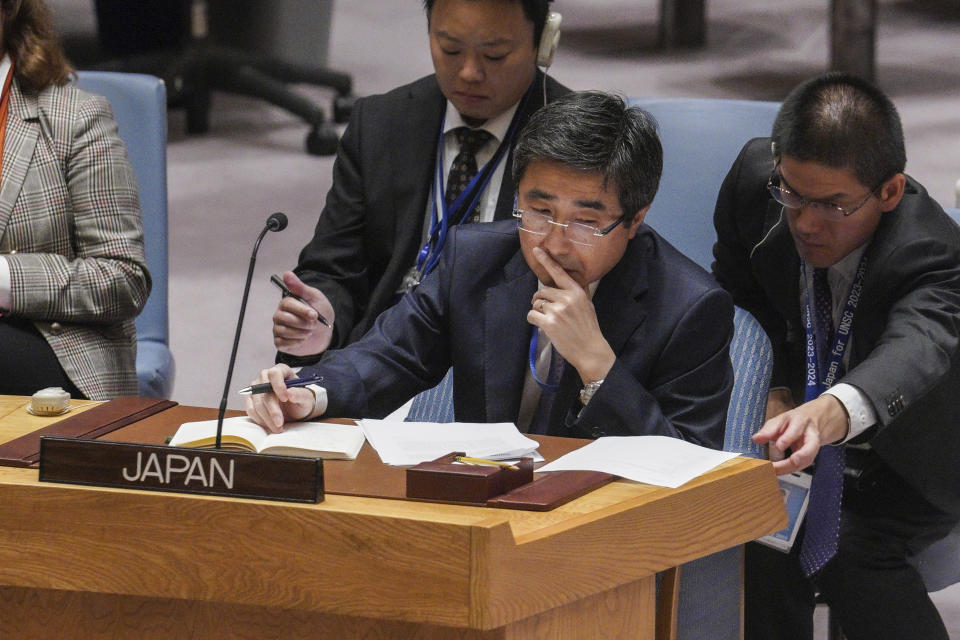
x=413 y=162
x=578 y=321
x=854 y=272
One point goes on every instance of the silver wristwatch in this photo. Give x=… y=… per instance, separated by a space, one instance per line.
x=588 y=390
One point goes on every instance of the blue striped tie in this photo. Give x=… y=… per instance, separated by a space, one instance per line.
x=541 y=418
x=826 y=489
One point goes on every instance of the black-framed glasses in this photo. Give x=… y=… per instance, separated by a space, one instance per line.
x=576 y=232
x=781 y=192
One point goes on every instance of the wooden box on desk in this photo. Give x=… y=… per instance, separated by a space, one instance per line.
x=445 y=480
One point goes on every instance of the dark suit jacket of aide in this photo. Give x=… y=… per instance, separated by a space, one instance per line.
x=371 y=228
x=906 y=332
x=667 y=321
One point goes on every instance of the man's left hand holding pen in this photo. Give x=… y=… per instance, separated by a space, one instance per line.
x=285 y=404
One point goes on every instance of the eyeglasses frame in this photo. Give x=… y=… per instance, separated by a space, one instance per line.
x=597 y=231
x=824 y=206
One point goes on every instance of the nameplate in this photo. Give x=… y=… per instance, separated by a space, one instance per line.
x=181 y=470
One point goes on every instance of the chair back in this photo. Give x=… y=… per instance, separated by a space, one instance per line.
x=953 y=213
x=434 y=405
x=939 y=564
x=710 y=588
x=752 y=358
x=140 y=108
x=701 y=138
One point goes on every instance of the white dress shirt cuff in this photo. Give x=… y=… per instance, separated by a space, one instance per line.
x=861 y=414
x=319 y=401
x=5 y=300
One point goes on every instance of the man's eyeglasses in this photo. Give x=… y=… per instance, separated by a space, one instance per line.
x=576 y=232
x=785 y=196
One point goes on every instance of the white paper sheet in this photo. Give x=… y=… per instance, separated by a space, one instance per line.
x=406 y=443
x=659 y=460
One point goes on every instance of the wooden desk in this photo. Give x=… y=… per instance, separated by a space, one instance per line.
x=91 y=562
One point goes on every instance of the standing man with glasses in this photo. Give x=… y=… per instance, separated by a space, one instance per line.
x=415 y=161
x=854 y=272
x=578 y=321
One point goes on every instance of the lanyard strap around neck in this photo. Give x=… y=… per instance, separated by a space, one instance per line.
x=545 y=385
x=429 y=255
x=820 y=378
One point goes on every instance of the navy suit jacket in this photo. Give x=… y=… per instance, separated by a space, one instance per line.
x=370 y=230
x=905 y=345
x=668 y=322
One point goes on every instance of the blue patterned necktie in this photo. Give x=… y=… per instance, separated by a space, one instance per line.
x=823 y=511
x=464 y=166
x=540 y=423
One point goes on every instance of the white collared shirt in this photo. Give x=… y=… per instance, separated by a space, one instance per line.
x=496 y=127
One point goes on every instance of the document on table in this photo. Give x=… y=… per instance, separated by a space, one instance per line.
x=403 y=443
x=659 y=460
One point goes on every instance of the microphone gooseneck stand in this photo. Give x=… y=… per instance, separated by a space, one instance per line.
x=276 y=222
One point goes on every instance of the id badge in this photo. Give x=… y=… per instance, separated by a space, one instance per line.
x=795 y=489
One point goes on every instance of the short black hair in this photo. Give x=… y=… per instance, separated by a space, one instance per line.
x=535 y=10
x=843 y=122
x=594 y=131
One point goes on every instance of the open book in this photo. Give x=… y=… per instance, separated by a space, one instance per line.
x=306 y=439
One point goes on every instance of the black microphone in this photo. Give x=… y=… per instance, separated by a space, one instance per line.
x=276 y=222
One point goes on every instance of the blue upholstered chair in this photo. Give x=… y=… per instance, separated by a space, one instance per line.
x=140 y=106
x=701 y=138
x=434 y=405
x=939 y=564
x=710 y=588
x=953 y=213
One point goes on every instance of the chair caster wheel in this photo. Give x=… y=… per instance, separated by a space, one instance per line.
x=322 y=141
x=342 y=106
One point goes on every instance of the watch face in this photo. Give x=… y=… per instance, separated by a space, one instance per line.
x=585 y=394
x=588 y=390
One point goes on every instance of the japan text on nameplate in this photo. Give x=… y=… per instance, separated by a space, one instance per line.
x=181 y=470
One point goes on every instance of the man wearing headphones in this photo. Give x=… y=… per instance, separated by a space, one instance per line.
x=414 y=162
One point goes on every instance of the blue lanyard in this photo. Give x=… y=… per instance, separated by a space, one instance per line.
x=819 y=380
x=429 y=255
x=552 y=388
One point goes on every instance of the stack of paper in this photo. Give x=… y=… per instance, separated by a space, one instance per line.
x=659 y=460
x=408 y=443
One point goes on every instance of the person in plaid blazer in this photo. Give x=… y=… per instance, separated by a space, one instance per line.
x=72 y=269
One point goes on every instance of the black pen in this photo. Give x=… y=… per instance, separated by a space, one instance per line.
x=277 y=280
x=264 y=387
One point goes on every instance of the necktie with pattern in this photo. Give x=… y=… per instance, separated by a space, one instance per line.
x=464 y=166
x=540 y=423
x=826 y=489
